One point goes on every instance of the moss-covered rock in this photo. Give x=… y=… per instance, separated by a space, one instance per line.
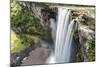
x=91 y=49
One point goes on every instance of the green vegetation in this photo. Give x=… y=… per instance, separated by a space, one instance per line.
x=91 y=50
x=17 y=44
x=26 y=28
x=91 y=23
x=22 y=21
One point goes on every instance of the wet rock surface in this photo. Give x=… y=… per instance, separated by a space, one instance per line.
x=37 y=56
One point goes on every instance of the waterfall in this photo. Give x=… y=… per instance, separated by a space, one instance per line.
x=64 y=36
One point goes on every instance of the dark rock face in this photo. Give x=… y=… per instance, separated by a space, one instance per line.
x=16 y=58
x=84 y=18
x=41 y=11
x=48 y=13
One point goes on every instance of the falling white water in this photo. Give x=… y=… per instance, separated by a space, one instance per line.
x=63 y=36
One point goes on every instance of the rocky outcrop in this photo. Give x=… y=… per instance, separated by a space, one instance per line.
x=41 y=11
x=83 y=36
x=37 y=56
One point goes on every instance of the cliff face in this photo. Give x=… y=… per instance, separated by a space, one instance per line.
x=41 y=11
x=85 y=35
